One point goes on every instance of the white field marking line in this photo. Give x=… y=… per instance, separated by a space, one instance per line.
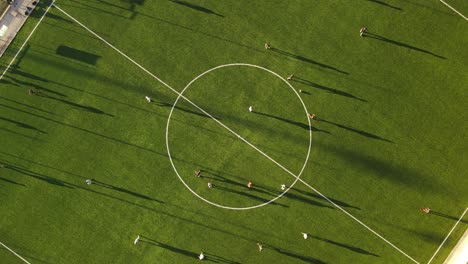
x=26 y=41
x=230 y=130
x=443 y=242
x=16 y=254
x=454 y=10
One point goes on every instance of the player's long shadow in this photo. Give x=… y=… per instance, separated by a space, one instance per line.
x=185 y=110
x=260 y=199
x=16 y=133
x=184 y=252
x=219 y=259
x=102 y=184
x=352 y=248
x=21 y=124
x=381 y=38
x=10 y=181
x=340 y=203
x=328 y=89
x=196 y=7
x=290 y=195
x=385 y=4
x=87 y=130
x=82 y=107
x=30 y=106
x=299 y=198
x=294 y=255
x=299 y=124
x=37 y=176
x=358 y=131
x=256 y=187
x=447 y=216
x=301 y=58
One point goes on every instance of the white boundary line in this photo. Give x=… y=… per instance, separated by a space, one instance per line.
x=443 y=242
x=230 y=130
x=26 y=41
x=16 y=254
x=241 y=138
x=454 y=10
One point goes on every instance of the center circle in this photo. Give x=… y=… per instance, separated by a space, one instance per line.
x=279 y=166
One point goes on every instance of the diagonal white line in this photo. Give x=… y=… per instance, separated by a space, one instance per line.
x=26 y=41
x=230 y=130
x=443 y=242
x=455 y=10
x=16 y=254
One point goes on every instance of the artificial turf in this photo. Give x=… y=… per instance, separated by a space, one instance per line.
x=390 y=135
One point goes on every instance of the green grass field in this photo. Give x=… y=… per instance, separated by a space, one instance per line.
x=390 y=136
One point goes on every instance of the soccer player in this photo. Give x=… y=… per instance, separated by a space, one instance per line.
x=362 y=31
x=251 y=109
x=249 y=184
x=260 y=247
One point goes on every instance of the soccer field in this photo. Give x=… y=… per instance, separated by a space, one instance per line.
x=388 y=137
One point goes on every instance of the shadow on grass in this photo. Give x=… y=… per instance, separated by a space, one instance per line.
x=37 y=176
x=185 y=110
x=383 y=169
x=328 y=89
x=79 y=106
x=10 y=181
x=385 y=4
x=15 y=133
x=299 y=198
x=358 y=131
x=447 y=216
x=105 y=185
x=190 y=220
x=21 y=124
x=349 y=247
x=294 y=255
x=180 y=251
x=61 y=183
x=87 y=131
x=381 y=38
x=301 y=58
x=248 y=195
x=218 y=259
x=298 y=124
x=196 y=7
x=26 y=105
x=76 y=54
x=340 y=203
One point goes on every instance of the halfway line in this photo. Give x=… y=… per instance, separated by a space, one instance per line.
x=230 y=130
